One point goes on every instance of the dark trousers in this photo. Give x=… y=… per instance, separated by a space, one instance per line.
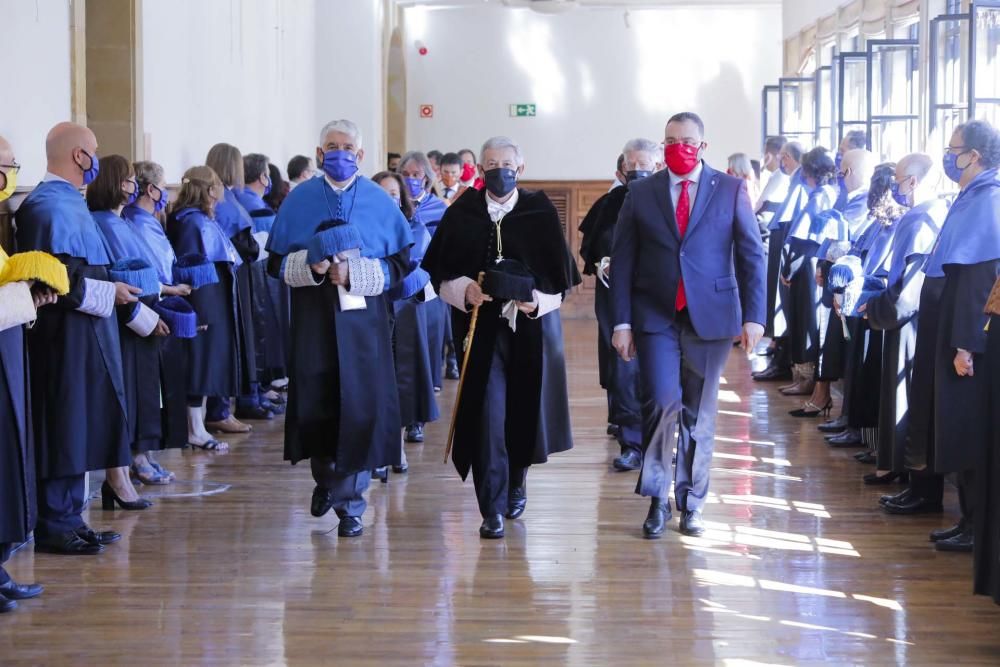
x=966 y=495
x=927 y=485
x=492 y=472
x=6 y=549
x=621 y=378
x=60 y=504
x=348 y=490
x=680 y=387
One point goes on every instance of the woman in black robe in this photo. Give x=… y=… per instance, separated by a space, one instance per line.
x=213 y=355
x=514 y=409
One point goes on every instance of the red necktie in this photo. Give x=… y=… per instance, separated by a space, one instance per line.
x=683 y=215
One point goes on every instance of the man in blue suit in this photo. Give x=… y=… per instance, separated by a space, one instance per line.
x=689 y=276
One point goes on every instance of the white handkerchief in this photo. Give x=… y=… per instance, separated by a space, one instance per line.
x=602 y=270
x=509 y=313
x=350 y=301
x=261 y=238
x=429 y=293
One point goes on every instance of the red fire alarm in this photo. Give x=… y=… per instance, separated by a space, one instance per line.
x=426 y=110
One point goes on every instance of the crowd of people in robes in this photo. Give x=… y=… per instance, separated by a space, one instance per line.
x=136 y=318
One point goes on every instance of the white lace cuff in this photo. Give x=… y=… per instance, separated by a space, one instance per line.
x=297 y=272
x=366 y=276
x=144 y=320
x=546 y=304
x=453 y=292
x=98 y=298
x=17 y=306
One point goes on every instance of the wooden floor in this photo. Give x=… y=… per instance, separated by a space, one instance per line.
x=798 y=567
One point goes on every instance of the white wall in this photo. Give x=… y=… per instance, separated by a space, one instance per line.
x=34 y=78
x=797 y=14
x=264 y=75
x=596 y=81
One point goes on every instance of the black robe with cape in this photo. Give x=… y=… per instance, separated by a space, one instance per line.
x=537 y=396
x=17 y=465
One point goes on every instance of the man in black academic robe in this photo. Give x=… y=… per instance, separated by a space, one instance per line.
x=77 y=391
x=514 y=408
x=619 y=378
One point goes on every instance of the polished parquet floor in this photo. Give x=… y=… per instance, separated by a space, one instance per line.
x=798 y=567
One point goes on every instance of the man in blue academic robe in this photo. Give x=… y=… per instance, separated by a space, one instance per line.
x=340 y=242
x=77 y=391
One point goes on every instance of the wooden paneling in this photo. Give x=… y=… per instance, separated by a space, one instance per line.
x=573 y=199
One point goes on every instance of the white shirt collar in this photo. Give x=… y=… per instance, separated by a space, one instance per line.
x=499 y=209
x=337 y=189
x=694 y=175
x=49 y=176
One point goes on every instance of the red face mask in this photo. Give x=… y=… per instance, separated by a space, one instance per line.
x=468 y=171
x=681 y=158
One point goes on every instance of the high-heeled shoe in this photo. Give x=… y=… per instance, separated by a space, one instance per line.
x=381 y=474
x=109 y=498
x=810 y=409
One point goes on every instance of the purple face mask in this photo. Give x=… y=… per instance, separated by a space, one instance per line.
x=340 y=165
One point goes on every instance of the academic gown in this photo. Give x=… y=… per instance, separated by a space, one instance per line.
x=343 y=403
x=414 y=375
x=214 y=354
x=237 y=224
x=538 y=422
x=986 y=559
x=894 y=311
x=173 y=351
x=270 y=296
x=429 y=212
x=618 y=377
x=803 y=239
x=795 y=201
x=962 y=269
x=17 y=467
x=77 y=392
x=140 y=356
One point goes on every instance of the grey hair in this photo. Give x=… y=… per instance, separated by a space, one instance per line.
x=421 y=159
x=345 y=126
x=494 y=143
x=147 y=173
x=640 y=145
x=740 y=165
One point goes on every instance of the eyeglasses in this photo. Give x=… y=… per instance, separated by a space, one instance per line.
x=13 y=167
x=957 y=148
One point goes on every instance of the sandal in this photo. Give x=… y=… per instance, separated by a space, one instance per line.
x=148 y=475
x=211 y=445
x=160 y=469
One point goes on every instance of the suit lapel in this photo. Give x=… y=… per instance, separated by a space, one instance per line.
x=706 y=188
x=661 y=192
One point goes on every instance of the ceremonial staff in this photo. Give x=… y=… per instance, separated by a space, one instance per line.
x=467 y=348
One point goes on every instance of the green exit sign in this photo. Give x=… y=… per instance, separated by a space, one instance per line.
x=522 y=110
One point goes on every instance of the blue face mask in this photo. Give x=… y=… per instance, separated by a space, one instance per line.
x=415 y=186
x=501 y=181
x=637 y=174
x=90 y=173
x=838 y=160
x=901 y=199
x=132 y=196
x=340 y=165
x=160 y=203
x=951 y=168
x=781 y=167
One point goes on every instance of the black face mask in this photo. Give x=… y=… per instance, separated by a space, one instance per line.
x=501 y=181
x=636 y=174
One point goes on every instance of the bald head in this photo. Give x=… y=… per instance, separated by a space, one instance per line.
x=69 y=149
x=917 y=177
x=858 y=167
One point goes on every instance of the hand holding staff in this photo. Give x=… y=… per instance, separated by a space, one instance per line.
x=467 y=348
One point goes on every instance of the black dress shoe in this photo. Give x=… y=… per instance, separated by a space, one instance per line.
x=381 y=474
x=614 y=430
x=834 y=425
x=415 y=433
x=451 y=372
x=947 y=533
x=15 y=591
x=656 y=519
x=692 y=524
x=350 y=526
x=896 y=498
x=867 y=457
x=873 y=478
x=258 y=413
x=849 y=438
x=492 y=528
x=322 y=501
x=517 y=500
x=772 y=374
x=103 y=538
x=913 y=505
x=69 y=544
x=630 y=459
x=6 y=605
x=401 y=470
x=963 y=542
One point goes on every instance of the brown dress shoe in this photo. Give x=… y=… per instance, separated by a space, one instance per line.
x=229 y=425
